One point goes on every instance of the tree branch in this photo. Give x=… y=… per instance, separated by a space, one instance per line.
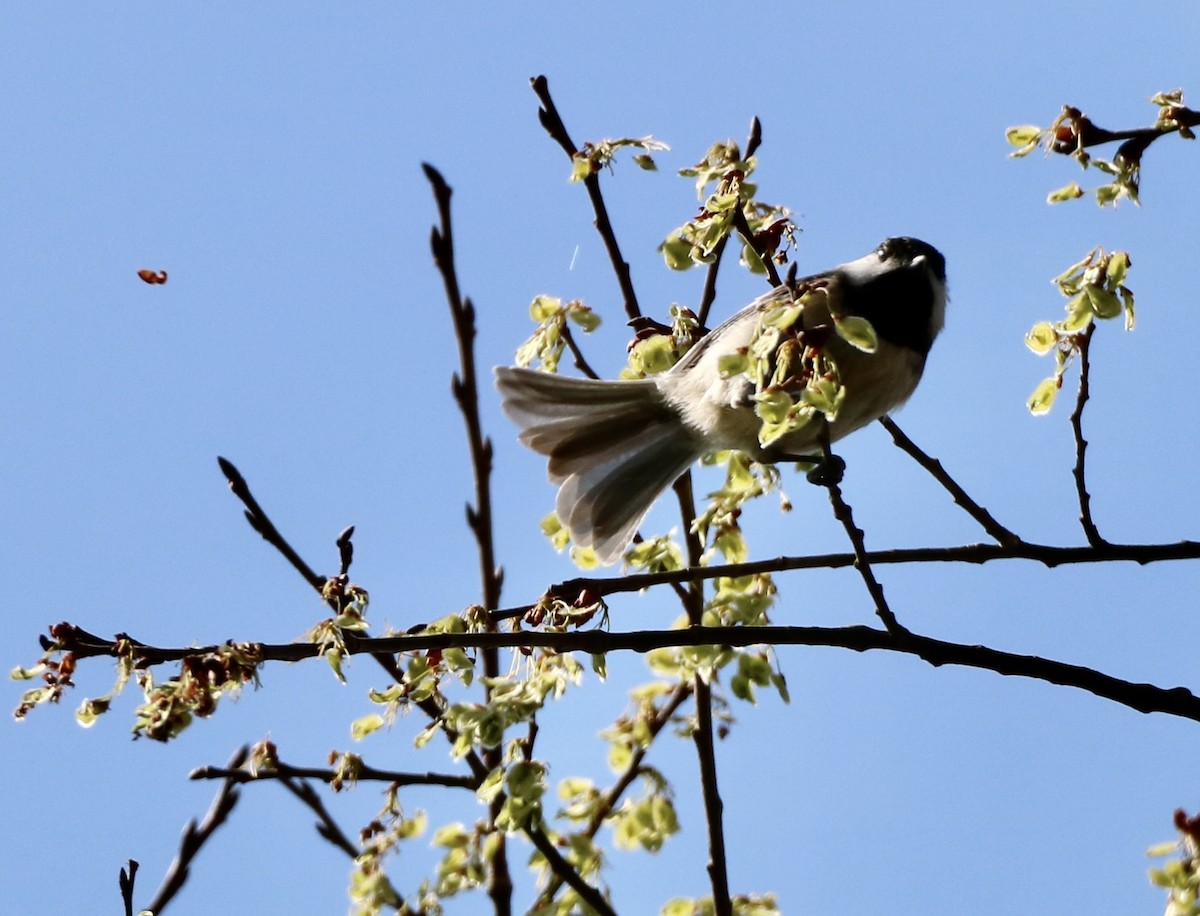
x=550 y=120
x=989 y=524
x=364 y=773
x=563 y=869
x=703 y=736
x=195 y=836
x=479 y=517
x=264 y=526
x=618 y=789
x=327 y=828
x=1176 y=701
x=843 y=513
x=1080 y=471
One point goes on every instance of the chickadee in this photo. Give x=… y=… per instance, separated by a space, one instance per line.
x=614 y=446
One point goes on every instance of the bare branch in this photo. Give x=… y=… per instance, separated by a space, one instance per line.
x=195 y=836
x=126 y=881
x=841 y=511
x=479 y=516
x=326 y=826
x=264 y=526
x=935 y=468
x=581 y=362
x=743 y=227
x=466 y=391
x=1079 y=132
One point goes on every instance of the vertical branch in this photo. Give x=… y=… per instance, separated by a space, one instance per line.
x=1080 y=471
x=550 y=120
x=466 y=392
x=479 y=517
x=714 y=808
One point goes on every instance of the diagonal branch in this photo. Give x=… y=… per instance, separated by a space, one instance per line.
x=989 y=524
x=326 y=826
x=609 y=802
x=566 y=872
x=261 y=523
x=196 y=835
x=552 y=122
x=843 y=513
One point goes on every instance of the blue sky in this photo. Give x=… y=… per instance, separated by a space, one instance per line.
x=268 y=157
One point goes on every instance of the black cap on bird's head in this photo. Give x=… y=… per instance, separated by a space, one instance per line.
x=900 y=287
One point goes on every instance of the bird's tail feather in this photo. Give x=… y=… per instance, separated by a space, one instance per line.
x=613 y=447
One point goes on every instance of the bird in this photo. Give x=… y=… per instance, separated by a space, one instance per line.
x=614 y=446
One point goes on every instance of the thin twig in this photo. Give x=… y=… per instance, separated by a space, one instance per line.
x=608 y=803
x=363 y=773
x=126 y=882
x=714 y=808
x=743 y=227
x=986 y=520
x=562 y=868
x=261 y=522
x=1080 y=471
x=553 y=123
x=326 y=826
x=466 y=391
x=1084 y=133
x=581 y=362
x=264 y=526
x=195 y=836
x=843 y=513
x=709 y=295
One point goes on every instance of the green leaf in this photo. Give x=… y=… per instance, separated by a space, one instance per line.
x=581 y=167
x=1042 y=338
x=1158 y=850
x=583 y=316
x=1103 y=303
x=1079 y=313
x=544 y=307
x=1022 y=135
x=1043 y=396
x=360 y=728
x=1127 y=302
x=1117 y=268
x=857 y=332
x=1066 y=192
x=772 y=405
x=334 y=658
